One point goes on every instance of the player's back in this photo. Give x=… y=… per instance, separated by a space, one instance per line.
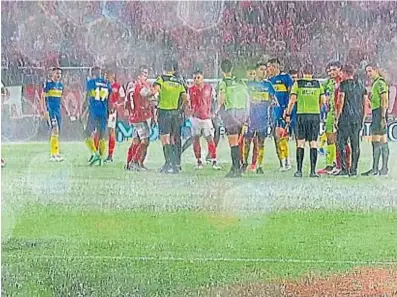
x=236 y=92
x=98 y=90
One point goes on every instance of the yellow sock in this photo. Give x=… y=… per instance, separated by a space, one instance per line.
x=90 y=144
x=246 y=150
x=331 y=154
x=284 y=147
x=102 y=147
x=278 y=150
x=261 y=153
x=54 y=145
x=323 y=140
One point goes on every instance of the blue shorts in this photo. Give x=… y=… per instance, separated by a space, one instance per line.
x=262 y=132
x=278 y=120
x=55 y=117
x=97 y=121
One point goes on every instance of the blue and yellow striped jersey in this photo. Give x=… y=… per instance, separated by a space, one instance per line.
x=53 y=91
x=98 y=90
x=281 y=83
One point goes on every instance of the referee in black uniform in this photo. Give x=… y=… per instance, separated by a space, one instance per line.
x=349 y=119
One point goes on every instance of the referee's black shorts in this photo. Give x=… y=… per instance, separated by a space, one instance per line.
x=308 y=127
x=169 y=121
x=377 y=127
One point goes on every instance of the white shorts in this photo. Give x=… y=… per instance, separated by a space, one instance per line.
x=202 y=127
x=142 y=129
x=112 y=119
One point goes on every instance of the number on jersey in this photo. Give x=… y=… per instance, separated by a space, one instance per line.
x=101 y=93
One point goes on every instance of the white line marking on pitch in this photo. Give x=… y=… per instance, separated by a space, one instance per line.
x=181 y=259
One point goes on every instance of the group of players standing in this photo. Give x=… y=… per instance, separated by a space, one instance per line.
x=249 y=101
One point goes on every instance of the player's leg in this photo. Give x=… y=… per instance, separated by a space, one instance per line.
x=313 y=129
x=254 y=158
x=146 y=141
x=196 y=134
x=331 y=144
x=300 y=148
x=54 y=138
x=384 y=147
x=354 y=136
x=143 y=132
x=342 y=138
x=89 y=140
x=217 y=136
x=247 y=139
x=176 y=141
x=276 y=132
x=112 y=136
x=377 y=132
x=165 y=122
x=261 y=137
x=234 y=128
x=132 y=149
x=208 y=132
x=101 y=126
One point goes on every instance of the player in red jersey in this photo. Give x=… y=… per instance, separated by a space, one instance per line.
x=140 y=106
x=201 y=97
x=115 y=98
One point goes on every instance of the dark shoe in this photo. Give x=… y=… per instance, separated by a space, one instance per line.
x=143 y=167
x=370 y=173
x=298 y=174
x=259 y=170
x=164 y=168
x=383 y=172
x=244 y=167
x=109 y=159
x=353 y=173
x=342 y=173
x=313 y=174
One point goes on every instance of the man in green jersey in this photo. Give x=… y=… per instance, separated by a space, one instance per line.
x=234 y=97
x=172 y=101
x=309 y=95
x=334 y=70
x=379 y=105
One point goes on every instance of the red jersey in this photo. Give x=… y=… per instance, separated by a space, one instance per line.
x=201 y=99
x=139 y=106
x=117 y=93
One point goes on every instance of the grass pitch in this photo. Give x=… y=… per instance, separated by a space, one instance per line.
x=73 y=230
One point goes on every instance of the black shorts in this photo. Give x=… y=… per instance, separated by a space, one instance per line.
x=377 y=127
x=170 y=122
x=308 y=127
x=233 y=120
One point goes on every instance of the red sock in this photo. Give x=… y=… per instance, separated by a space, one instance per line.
x=348 y=156
x=338 y=166
x=132 y=151
x=255 y=151
x=138 y=153
x=212 y=149
x=96 y=140
x=197 y=148
x=111 y=145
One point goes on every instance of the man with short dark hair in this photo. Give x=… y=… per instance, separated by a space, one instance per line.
x=309 y=95
x=349 y=119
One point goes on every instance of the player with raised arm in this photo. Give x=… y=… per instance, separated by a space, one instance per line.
x=115 y=98
x=98 y=92
x=234 y=97
x=308 y=95
x=51 y=101
x=201 y=97
x=140 y=107
x=282 y=83
x=172 y=102
x=262 y=95
x=379 y=105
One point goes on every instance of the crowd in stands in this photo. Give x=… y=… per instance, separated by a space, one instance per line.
x=126 y=34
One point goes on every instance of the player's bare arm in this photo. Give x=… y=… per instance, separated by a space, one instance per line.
x=384 y=103
x=291 y=104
